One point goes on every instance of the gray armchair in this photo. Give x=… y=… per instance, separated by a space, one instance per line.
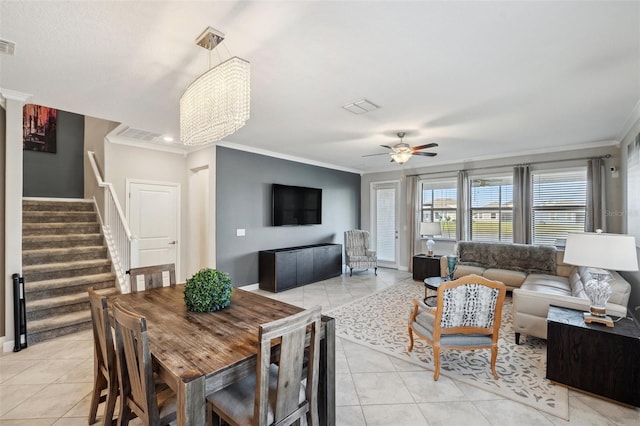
x=357 y=253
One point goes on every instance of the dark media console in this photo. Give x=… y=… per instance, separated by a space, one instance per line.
x=285 y=268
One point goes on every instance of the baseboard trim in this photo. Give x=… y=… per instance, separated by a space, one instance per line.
x=7 y=345
x=250 y=287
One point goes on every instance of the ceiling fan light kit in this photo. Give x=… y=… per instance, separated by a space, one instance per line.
x=218 y=102
x=402 y=152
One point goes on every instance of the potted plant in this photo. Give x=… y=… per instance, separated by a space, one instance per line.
x=207 y=291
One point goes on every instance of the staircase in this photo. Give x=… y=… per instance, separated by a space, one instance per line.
x=63 y=254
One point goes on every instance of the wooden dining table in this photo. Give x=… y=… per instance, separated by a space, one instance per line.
x=199 y=353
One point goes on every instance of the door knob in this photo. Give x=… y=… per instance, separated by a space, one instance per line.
x=172 y=242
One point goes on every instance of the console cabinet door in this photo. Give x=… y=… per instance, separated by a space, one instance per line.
x=327 y=261
x=304 y=266
x=286 y=270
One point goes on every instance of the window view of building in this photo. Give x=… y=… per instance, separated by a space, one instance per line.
x=439 y=201
x=491 y=214
x=559 y=204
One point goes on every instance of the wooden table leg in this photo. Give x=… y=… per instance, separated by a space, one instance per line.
x=192 y=404
x=327 y=382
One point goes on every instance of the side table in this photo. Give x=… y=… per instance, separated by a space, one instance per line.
x=593 y=357
x=425 y=266
x=432 y=283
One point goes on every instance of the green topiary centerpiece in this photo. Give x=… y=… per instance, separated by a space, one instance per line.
x=207 y=291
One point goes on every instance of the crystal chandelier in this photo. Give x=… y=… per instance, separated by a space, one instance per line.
x=217 y=103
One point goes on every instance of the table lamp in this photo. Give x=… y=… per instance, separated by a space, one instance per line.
x=600 y=251
x=430 y=229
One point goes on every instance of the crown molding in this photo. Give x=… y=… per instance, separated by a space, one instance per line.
x=259 y=151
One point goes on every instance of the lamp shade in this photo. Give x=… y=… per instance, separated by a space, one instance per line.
x=430 y=228
x=600 y=250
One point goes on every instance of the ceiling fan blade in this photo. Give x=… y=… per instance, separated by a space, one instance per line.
x=425 y=154
x=386 y=146
x=371 y=155
x=429 y=145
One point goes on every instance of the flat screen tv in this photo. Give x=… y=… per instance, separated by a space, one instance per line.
x=296 y=205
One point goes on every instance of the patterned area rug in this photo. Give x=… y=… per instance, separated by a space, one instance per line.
x=379 y=321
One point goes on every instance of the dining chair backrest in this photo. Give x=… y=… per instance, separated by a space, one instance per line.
x=292 y=333
x=105 y=369
x=135 y=370
x=153 y=276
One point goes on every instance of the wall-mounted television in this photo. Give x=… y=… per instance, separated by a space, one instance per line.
x=296 y=205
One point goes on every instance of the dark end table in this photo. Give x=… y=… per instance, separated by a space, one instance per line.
x=432 y=283
x=592 y=357
x=426 y=266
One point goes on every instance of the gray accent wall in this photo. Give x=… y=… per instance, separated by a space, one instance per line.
x=60 y=174
x=243 y=201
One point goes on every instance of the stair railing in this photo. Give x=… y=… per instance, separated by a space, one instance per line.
x=123 y=247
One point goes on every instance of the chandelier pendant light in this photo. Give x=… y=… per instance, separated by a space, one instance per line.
x=218 y=102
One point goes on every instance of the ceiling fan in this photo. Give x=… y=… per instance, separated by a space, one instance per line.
x=401 y=152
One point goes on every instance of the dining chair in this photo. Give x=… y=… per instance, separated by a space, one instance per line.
x=154 y=276
x=105 y=377
x=139 y=392
x=275 y=394
x=467 y=316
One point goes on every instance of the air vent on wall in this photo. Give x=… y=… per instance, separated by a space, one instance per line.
x=7 y=47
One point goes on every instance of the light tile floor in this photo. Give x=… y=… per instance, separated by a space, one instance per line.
x=49 y=383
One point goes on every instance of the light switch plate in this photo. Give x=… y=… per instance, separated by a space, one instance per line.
x=240 y=232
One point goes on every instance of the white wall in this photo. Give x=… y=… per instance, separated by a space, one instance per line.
x=632 y=277
x=201 y=166
x=124 y=162
x=613 y=187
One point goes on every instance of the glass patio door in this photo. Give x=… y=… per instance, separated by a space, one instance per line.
x=384 y=196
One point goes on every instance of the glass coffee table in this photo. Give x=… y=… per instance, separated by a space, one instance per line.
x=432 y=283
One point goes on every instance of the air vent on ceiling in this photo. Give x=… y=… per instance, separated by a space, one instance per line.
x=7 y=47
x=138 y=134
x=360 y=107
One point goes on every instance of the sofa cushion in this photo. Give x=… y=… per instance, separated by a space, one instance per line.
x=544 y=289
x=505 y=276
x=462 y=270
x=518 y=257
x=551 y=281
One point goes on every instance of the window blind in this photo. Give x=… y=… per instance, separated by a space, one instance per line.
x=439 y=204
x=492 y=209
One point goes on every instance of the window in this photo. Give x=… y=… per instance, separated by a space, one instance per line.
x=492 y=209
x=559 y=204
x=439 y=202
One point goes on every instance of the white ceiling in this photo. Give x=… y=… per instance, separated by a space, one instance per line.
x=482 y=79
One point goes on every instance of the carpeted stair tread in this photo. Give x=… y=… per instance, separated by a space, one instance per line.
x=57 y=240
x=34 y=286
x=69 y=254
x=50 y=205
x=60 y=321
x=61 y=250
x=58 y=217
x=35 y=228
x=58 y=266
x=69 y=299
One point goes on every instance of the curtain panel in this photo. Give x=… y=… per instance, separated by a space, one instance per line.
x=412 y=218
x=595 y=218
x=463 y=205
x=522 y=204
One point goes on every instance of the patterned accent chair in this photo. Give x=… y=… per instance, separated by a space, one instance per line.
x=357 y=253
x=466 y=317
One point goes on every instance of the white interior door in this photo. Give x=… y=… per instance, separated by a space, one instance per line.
x=384 y=197
x=153 y=212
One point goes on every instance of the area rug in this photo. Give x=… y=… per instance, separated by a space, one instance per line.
x=379 y=321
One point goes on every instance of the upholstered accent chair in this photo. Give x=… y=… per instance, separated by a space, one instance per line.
x=467 y=316
x=276 y=394
x=357 y=251
x=154 y=276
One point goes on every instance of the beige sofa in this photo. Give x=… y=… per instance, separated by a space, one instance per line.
x=538 y=278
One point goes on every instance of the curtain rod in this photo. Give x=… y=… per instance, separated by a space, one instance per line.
x=602 y=157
